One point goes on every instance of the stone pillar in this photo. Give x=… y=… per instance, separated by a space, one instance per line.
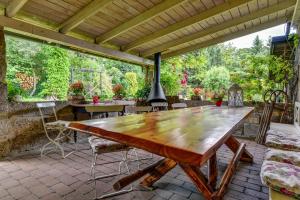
x=3 y=68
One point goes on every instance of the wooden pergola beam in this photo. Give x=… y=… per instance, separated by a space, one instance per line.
x=185 y=23
x=225 y=38
x=240 y=20
x=91 y=9
x=33 y=31
x=13 y=7
x=139 y=19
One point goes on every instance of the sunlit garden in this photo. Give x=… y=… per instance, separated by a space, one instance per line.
x=149 y=99
x=39 y=71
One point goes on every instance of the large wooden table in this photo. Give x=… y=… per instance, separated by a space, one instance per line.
x=187 y=137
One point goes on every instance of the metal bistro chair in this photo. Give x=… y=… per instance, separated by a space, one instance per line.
x=59 y=126
x=124 y=102
x=101 y=146
x=178 y=105
x=137 y=109
x=157 y=106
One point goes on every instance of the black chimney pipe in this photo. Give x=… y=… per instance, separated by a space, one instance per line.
x=156 y=94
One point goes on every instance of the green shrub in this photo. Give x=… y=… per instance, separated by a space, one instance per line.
x=217 y=79
x=143 y=91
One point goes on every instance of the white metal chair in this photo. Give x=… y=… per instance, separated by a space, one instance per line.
x=156 y=106
x=59 y=126
x=137 y=109
x=178 y=105
x=124 y=102
x=100 y=146
x=104 y=109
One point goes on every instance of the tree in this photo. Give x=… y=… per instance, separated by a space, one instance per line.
x=131 y=86
x=56 y=66
x=21 y=57
x=217 y=80
x=257 y=46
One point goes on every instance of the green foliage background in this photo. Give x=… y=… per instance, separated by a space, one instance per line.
x=212 y=69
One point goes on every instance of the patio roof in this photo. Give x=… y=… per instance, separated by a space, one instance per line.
x=133 y=30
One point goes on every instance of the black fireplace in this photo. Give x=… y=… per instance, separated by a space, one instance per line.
x=156 y=94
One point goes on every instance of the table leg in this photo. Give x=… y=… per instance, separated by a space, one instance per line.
x=199 y=180
x=212 y=171
x=75 y=118
x=230 y=170
x=123 y=182
x=158 y=172
x=207 y=186
x=233 y=144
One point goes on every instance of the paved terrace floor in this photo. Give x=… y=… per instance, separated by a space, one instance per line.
x=31 y=177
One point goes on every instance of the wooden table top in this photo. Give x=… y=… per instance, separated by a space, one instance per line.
x=188 y=135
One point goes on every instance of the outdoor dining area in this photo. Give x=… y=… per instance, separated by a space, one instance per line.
x=158 y=147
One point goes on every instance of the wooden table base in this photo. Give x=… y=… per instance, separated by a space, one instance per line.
x=207 y=186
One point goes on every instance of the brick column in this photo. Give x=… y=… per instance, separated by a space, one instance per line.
x=3 y=68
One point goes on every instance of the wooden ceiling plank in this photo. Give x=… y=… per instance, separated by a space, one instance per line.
x=13 y=7
x=139 y=19
x=224 y=38
x=260 y=13
x=184 y=23
x=33 y=31
x=88 y=11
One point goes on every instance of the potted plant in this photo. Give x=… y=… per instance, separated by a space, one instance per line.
x=196 y=94
x=118 y=91
x=218 y=98
x=76 y=93
x=96 y=99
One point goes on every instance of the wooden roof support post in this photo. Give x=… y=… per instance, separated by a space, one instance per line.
x=13 y=7
x=3 y=67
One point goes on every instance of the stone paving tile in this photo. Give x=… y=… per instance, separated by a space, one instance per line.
x=30 y=177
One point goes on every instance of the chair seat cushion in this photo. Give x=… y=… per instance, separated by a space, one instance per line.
x=281 y=140
x=59 y=124
x=281 y=177
x=100 y=145
x=290 y=157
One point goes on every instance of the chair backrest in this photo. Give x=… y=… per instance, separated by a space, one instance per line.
x=264 y=122
x=124 y=102
x=159 y=106
x=178 y=105
x=280 y=100
x=138 y=109
x=104 y=108
x=43 y=106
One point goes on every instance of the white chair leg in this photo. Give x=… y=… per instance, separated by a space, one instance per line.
x=123 y=162
x=56 y=143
